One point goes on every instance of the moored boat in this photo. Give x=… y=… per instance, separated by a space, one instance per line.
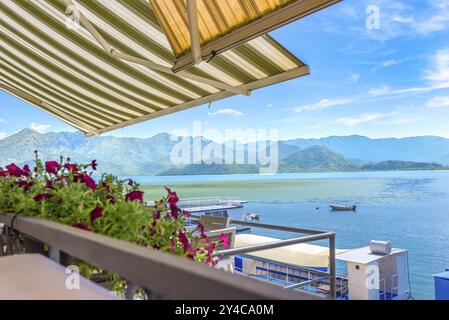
x=336 y=207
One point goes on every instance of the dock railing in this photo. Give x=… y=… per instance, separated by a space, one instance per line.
x=209 y=202
x=165 y=275
x=310 y=236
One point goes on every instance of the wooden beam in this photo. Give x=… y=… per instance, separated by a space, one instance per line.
x=195 y=41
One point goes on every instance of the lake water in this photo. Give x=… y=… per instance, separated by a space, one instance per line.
x=409 y=208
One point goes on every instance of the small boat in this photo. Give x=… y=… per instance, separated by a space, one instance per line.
x=336 y=207
x=252 y=216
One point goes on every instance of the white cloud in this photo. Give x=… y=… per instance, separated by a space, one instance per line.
x=439 y=67
x=402 y=19
x=380 y=91
x=323 y=104
x=354 y=77
x=438 y=22
x=269 y=105
x=3 y=121
x=438 y=102
x=373 y=117
x=349 y=11
x=3 y=135
x=350 y=122
x=41 y=128
x=230 y=112
x=392 y=62
x=437 y=73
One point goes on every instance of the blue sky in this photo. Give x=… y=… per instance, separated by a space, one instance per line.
x=387 y=82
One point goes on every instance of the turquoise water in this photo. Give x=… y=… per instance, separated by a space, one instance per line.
x=411 y=209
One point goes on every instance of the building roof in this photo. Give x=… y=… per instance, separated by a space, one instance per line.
x=303 y=254
x=106 y=64
x=365 y=256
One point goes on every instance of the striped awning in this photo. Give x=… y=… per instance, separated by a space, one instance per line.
x=199 y=29
x=114 y=68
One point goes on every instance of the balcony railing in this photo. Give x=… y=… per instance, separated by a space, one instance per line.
x=310 y=236
x=168 y=276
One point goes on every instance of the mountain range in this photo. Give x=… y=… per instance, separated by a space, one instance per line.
x=151 y=156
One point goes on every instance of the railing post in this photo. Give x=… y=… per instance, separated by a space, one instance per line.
x=332 y=266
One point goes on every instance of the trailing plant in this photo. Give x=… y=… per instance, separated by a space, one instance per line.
x=66 y=192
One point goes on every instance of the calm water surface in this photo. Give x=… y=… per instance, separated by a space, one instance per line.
x=411 y=209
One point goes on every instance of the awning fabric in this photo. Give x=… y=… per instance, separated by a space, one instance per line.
x=225 y=24
x=303 y=254
x=67 y=72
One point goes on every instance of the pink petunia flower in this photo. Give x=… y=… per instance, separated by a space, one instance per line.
x=81 y=226
x=95 y=214
x=184 y=240
x=71 y=167
x=42 y=197
x=135 y=195
x=90 y=183
x=15 y=170
x=52 y=167
x=26 y=170
x=172 y=197
x=224 y=240
x=106 y=187
x=49 y=184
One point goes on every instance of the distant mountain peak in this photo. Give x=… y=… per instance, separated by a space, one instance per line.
x=28 y=131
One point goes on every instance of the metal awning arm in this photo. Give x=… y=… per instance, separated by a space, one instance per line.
x=195 y=43
x=85 y=23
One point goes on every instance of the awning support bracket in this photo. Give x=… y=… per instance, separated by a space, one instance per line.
x=195 y=43
x=147 y=63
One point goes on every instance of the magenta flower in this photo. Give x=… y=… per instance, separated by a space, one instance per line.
x=49 y=184
x=224 y=240
x=26 y=170
x=25 y=185
x=81 y=226
x=172 y=246
x=52 y=167
x=3 y=173
x=174 y=210
x=95 y=214
x=42 y=197
x=201 y=229
x=15 y=170
x=172 y=197
x=186 y=213
x=90 y=183
x=184 y=240
x=94 y=165
x=135 y=195
x=71 y=167
x=106 y=187
x=112 y=200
